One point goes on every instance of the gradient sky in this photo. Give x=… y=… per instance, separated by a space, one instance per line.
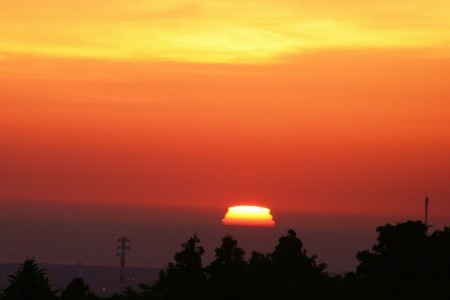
x=187 y=108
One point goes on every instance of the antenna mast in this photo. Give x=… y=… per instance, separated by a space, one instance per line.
x=426 y=215
x=122 y=248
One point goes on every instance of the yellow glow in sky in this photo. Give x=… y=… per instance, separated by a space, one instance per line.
x=248 y=216
x=217 y=31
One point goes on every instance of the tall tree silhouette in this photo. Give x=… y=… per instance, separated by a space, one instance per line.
x=29 y=283
x=297 y=274
x=261 y=277
x=227 y=271
x=184 y=278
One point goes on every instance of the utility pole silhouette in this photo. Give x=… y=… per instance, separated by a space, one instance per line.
x=122 y=248
x=426 y=215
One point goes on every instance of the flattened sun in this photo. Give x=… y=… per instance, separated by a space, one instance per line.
x=248 y=216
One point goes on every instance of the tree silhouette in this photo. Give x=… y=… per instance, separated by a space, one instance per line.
x=261 y=277
x=29 y=283
x=405 y=263
x=184 y=279
x=297 y=274
x=439 y=243
x=227 y=271
x=291 y=258
x=77 y=289
x=396 y=264
x=439 y=263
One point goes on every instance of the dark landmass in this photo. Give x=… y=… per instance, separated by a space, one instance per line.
x=406 y=262
x=102 y=280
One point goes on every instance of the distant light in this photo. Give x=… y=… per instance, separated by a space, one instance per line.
x=246 y=215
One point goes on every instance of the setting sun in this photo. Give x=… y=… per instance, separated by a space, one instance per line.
x=156 y=119
x=248 y=216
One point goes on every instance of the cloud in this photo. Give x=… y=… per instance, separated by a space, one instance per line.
x=218 y=31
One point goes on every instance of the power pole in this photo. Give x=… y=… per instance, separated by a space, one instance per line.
x=122 y=248
x=426 y=215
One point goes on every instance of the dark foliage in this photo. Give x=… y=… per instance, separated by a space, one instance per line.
x=295 y=273
x=29 y=283
x=287 y=273
x=226 y=274
x=405 y=263
x=185 y=278
x=77 y=289
x=261 y=277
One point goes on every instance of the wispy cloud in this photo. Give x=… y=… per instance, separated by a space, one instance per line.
x=218 y=31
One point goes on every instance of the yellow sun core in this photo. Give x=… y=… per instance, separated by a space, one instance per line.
x=248 y=216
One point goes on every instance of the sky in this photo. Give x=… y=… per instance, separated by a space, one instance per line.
x=145 y=117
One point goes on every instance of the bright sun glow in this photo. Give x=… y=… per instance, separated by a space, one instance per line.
x=248 y=216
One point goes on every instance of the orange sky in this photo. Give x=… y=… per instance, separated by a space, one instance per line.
x=297 y=106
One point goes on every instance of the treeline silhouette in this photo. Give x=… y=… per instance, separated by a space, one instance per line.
x=405 y=263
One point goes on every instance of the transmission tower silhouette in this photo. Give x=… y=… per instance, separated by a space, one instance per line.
x=121 y=253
